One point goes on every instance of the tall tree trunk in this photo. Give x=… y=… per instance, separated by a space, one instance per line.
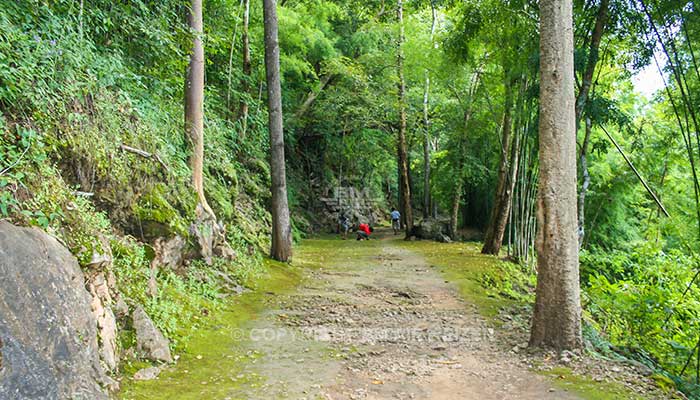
x=426 y=123
x=586 y=181
x=232 y=114
x=247 y=69
x=507 y=198
x=459 y=172
x=281 y=249
x=556 y=320
x=501 y=204
x=399 y=195
x=194 y=104
x=403 y=153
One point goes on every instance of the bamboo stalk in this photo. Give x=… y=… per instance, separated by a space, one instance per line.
x=639 y=176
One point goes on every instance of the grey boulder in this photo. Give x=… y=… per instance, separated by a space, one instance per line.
x=48 y=337
x=433 y=229
x=150 y=342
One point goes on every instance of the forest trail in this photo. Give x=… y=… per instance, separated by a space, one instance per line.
x=414 y=337
x=371 y=320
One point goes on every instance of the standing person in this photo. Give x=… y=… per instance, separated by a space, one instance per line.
x=395 y=220
x=364 y=231
x=344 y=223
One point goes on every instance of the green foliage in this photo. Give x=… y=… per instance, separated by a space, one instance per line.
x=78 y=80
x=179 y=299
x=78 y=84
x=19 y=148
x=638 y=300
x=511 y=281
x=172 y=303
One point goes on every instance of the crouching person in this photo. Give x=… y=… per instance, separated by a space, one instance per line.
x=364 y=231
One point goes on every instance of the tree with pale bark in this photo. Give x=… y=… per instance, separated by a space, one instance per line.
x=404 y=179
x=194 y=104
x=556 y=321
x=281 y=243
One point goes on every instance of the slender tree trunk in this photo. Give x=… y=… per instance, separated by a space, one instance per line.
x=426 y=123
x=426 y=147
x=459 y=171
x=593 y=55
x=581 y=100
x=194 y=104
x=556 y=321
x=80 y=19
x=281 y=249
x=586 y=182
x=399 y=195
x=501 y=205
x=456 y=200
x=247 y=69
x=313 y=95
x=231 y=112
x=402 y=150
x=507 y=200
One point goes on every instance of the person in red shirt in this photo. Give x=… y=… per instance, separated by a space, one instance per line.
x=364 y=231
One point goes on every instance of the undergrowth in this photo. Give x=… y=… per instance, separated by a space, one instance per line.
x=72 y=107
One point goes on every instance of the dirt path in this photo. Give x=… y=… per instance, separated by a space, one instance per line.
x=381 y=325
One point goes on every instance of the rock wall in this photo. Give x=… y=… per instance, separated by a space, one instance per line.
x=359 y=205
x=48 y=332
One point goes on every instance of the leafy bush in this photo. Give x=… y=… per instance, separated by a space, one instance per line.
x=639 y=301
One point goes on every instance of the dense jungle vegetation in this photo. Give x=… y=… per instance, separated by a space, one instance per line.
x=93 y=148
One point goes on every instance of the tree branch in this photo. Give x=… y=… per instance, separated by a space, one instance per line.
x=145 y=154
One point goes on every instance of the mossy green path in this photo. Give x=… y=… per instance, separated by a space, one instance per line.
x=219 y=359
x=212 y=364
x=379 y=319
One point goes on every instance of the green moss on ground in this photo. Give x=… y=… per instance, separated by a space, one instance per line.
x=216 y=351
x=485 y=281
x=212 y=363
x=324 y=251
x=586 y=388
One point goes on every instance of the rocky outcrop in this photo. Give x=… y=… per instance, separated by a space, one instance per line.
x=359 y=205
x=150 y=343
x=211 y=237
x=48 y=335
x=147 y=374
x=101 y=306
x=169 y=253
x=433 y=229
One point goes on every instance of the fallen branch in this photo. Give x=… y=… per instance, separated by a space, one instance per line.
x=145 y=154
